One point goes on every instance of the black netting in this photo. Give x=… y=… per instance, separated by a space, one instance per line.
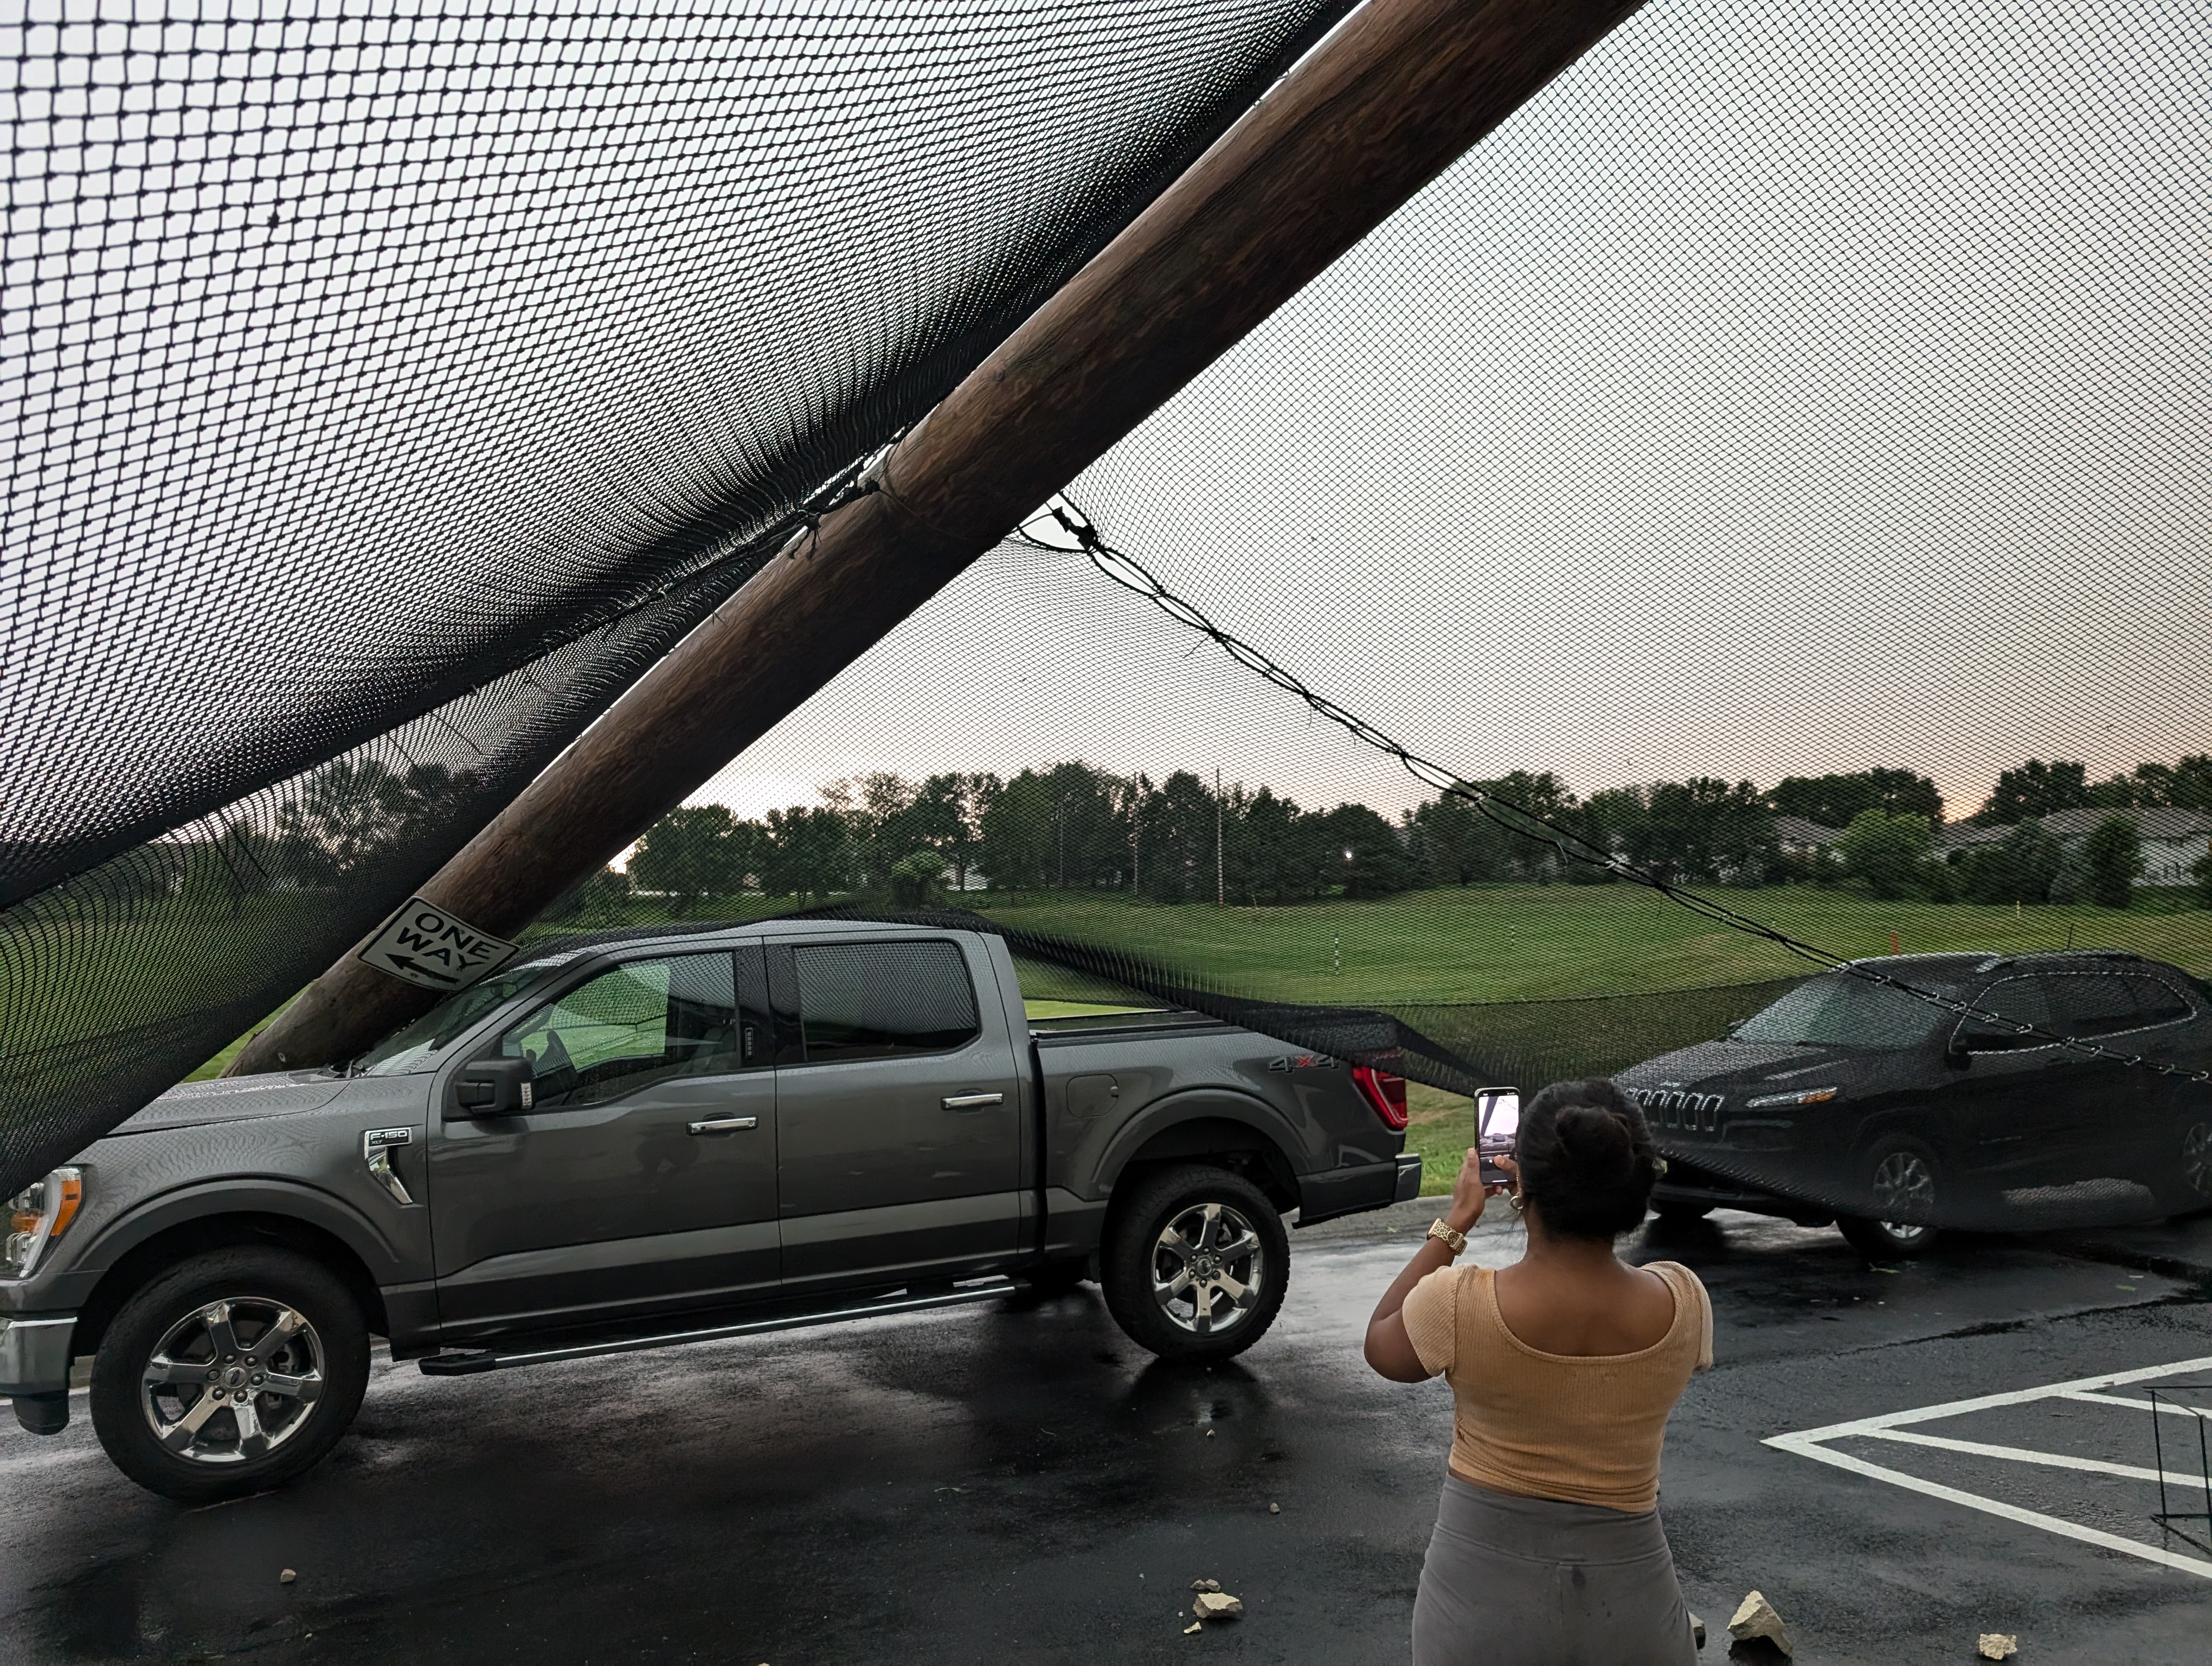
x=388 y=387
x=1767 y=477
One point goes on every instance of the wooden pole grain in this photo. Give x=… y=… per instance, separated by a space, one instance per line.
x=1374 y=111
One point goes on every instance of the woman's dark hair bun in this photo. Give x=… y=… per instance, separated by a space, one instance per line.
x=1586 y=1161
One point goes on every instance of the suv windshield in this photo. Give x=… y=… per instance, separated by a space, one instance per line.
x=1839 y=1010
x=416 y=1047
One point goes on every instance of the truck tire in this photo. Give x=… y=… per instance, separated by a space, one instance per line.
x=1195 y=1263
x=265 y=1329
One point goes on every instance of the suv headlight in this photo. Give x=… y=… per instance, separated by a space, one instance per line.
x=38 y=1215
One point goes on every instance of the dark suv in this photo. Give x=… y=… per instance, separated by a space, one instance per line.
x=1848 y=1101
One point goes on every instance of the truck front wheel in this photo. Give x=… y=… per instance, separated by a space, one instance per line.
x=230 y=1373
x=1195 y=1263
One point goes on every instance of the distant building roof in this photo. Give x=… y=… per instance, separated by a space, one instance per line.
x=2065 y=824
x=1796 y=831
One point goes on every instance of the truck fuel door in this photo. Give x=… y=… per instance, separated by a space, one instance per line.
x=1089 y=1097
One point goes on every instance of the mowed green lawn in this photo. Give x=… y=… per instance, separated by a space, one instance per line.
x=1440 y=1126
x=1485 y=943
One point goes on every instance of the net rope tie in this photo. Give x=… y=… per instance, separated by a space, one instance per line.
x=1131 y=575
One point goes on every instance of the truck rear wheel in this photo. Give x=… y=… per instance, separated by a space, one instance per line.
x=228 y=1374
x=1195 y=1263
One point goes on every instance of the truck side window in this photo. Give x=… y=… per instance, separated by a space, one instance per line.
x=877 y=1000
x=640 y=1022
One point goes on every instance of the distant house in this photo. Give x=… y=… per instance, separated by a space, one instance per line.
x=1800 y=837
x=2174 y=841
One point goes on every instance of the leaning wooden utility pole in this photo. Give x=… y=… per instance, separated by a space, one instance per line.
x=1374 y=113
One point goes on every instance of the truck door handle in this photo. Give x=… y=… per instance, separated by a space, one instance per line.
x=725 y=1124
x=972 y=1101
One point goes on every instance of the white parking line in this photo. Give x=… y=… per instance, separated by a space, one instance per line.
x=1891 y=1426
x=2023 y=1454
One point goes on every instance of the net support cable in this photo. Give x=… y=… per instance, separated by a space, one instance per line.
x=1125 y=570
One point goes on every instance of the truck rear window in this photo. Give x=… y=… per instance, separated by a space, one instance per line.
x=877 y=1000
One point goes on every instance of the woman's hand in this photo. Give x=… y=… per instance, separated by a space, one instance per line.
x=1470 y=1193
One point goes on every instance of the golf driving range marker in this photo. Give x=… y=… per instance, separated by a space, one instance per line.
x=424 y=944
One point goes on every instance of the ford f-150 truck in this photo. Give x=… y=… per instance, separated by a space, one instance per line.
x=660 y=1141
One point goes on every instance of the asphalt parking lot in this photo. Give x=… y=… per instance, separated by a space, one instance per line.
x=1016 y=1482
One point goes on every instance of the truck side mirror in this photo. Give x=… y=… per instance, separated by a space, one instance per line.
x=493 y=1087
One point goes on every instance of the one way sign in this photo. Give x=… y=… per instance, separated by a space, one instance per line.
x=423 y=944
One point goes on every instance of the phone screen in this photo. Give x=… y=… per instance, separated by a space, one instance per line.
x=1497 y=1121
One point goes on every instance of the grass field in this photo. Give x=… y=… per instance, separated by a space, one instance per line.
x=1491 y=942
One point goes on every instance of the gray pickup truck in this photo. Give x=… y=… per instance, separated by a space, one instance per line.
x=662 y=1141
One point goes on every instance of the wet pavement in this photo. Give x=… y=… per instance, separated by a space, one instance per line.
x=1018 y=1482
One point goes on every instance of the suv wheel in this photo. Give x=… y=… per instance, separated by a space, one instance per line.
x=228 y=1374
x=2196 y=1166
x=1195 y=1264
x=1903 y=1179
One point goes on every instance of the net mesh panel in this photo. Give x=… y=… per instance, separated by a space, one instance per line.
x=1781 y=395
x=389 y=386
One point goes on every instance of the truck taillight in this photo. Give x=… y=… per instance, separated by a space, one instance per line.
x=1382 y=1091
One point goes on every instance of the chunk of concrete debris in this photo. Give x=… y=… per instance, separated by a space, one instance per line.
x=1216 y=1605
x=1755 y=1617
x=1194 y=1626
x=1697 y=1631
x=1274 y=1510
x=1205 y=1584
x=287 y=1577
x=1996 y=1645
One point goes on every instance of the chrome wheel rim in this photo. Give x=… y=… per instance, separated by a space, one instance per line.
x=1903 y=1194
x=1208 y=1266
x=2196 y=1158
x=232 y=1381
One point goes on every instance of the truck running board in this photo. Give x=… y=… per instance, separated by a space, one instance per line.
x=469 y=1362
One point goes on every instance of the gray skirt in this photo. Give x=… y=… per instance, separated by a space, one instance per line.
x=1534 y=1582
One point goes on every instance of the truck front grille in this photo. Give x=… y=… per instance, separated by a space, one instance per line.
x=1669 y=1108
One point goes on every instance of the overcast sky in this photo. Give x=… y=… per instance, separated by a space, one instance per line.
x=1789 y=389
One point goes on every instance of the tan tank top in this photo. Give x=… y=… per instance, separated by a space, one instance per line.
x=1587 y=1430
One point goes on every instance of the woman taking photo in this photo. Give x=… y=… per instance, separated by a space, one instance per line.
x=1547 y=1550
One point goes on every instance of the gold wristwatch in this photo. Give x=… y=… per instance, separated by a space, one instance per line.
x=1454 y=1241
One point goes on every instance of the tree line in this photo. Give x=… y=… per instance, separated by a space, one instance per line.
x=1075 y=828
x=1072 y=827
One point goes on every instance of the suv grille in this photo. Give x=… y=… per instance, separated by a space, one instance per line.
x=1665 y=1107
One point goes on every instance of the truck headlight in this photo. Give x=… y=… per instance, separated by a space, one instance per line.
x=38 y=1215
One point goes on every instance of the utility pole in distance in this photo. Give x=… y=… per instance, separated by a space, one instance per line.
x=1220 y=890
x=1137 y=839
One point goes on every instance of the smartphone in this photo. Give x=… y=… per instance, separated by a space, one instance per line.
x=1497 y=1122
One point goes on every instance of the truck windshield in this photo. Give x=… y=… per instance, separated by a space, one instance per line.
x=1839 y=1010
x=416 y=1046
